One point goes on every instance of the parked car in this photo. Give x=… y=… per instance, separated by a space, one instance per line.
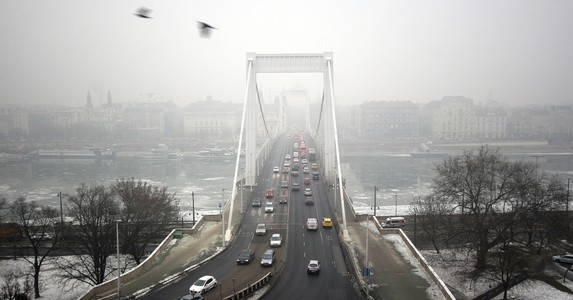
x=256 y=203
x=313 y=267
x=326 y=222
x=246 y=256
x=203 y=285
x=261 y=229
x=566 y=259
x=276 y=240
x=283 y=199
x=394 y=222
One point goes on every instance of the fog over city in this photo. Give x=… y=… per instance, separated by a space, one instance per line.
x=54 y=52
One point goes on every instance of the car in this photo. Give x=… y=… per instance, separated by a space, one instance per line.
x=305 y=170
x=566 y=259
x=268 y=258
x=203 y=285
x=287 y=157
x=41 y=236
x=304 y=161
x=294 y=173
x=314 y=166
x=192 y=297
x=270 y=193
x=326 y=223
x=286 y=164
x=307 y=191
x=285 y=169
x=313 y=267
x=295 y=160
x=295 y=167
x=276 y=240
x=308 y=200
x=261 y=229
x=307 y=181
x=269 y=207
x=312 y=224
x=315 y=176
x=284 y=184
x=276 y=169
x=295 y=186
x=246 y=256
x=283 y=199
x=256 y=203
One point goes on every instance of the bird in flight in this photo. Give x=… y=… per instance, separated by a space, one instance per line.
x=205 y=29
x=143 y=12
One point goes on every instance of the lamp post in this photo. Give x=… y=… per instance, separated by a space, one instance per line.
x=241 y=196
x=396 y=205
x=117 y=248
x=222 y=211
x=375 y=189
x=193 y=204
x=61 y=210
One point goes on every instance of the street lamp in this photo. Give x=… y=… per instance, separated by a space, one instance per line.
x=396 y=205
x=117 y=248
x=193 y=199
x=222 y=211
x=375 y=207
x=61 y=210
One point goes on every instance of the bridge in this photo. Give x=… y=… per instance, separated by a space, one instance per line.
x=347 y=270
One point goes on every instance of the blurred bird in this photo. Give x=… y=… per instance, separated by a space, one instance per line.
x=205 y=29
x=143 y=12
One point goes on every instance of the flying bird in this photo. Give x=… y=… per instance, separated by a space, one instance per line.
x=205 y=29
x=143 y=12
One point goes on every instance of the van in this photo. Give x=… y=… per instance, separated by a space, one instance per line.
x=312 y=224
x=268 y=258
x=394 y=222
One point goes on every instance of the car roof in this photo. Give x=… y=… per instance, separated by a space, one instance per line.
x=326 y=219
x=313 y=261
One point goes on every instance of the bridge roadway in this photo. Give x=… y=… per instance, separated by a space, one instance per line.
x=395 y=276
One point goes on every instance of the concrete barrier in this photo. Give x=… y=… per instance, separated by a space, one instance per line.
x=244 y=293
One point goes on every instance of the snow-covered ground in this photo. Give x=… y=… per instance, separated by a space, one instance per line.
x=453 y=268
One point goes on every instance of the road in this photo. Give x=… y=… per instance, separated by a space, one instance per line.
x=298 y=245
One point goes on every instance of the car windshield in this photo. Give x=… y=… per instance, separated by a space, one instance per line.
x=275 y=238
x=199 y=282
x=267 y=256
x=244 y=253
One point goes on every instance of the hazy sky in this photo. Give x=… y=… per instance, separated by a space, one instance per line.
x=55 y=51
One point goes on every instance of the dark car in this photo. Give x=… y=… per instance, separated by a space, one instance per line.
x=256 y=203
x=315 y=176
x=283 y=199
x=246 y=257
x=308 y=200
x=192 y=297
x=295 y=186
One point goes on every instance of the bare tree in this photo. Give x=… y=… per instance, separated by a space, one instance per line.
x=13 y=287
x=95 y=213
x=146 y=212
x=483 y=182
x=434 y=216
x=38 y=227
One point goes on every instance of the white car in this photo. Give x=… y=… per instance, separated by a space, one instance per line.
x=203 y=285
x=567 y=258
x=276 y=240
x=276 y=170
x=269 y=207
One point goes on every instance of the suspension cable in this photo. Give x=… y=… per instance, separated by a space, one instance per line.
x=262 y=112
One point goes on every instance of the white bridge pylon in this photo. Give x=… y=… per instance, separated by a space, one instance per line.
x=327 y=146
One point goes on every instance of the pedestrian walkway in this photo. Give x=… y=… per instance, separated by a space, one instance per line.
x=182 y=254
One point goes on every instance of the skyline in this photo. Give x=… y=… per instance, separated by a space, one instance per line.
x=519 y=51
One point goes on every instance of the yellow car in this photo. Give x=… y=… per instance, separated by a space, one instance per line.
x=314 y=166
x=326 y=222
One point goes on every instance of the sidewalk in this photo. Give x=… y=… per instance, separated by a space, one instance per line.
x=182 y=254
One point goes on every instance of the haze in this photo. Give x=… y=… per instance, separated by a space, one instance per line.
x=54 y=52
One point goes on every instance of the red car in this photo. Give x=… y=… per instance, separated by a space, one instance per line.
x=307 y=181
x=270 y=193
